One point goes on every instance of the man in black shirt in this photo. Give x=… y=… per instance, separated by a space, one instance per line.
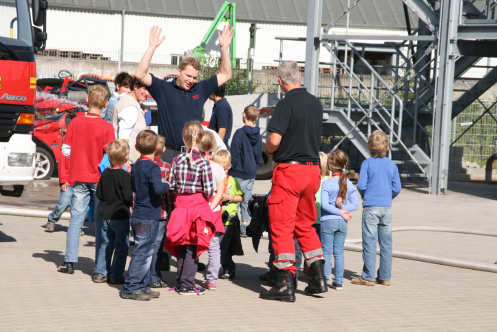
x=222 y=116
x=294 y=143
x=182 y=100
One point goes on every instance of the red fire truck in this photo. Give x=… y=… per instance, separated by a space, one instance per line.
x=18 y=46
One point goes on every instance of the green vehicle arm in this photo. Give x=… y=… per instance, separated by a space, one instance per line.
x=230 y=10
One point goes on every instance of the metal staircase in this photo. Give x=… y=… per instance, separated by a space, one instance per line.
x=416 y=91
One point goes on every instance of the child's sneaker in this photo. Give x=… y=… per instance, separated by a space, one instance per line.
x=66 y=268
x=382 y=282
x=98 y=278
x=226 y=274
x=210 y=286
x=364 y=282
x=158 y=284
x=50 y=226
x=190 y=290
x=153 y=294
x=336 y=286
x=138 y=295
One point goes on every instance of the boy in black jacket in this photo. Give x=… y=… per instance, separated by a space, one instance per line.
x=246 y=153
x=114 y=191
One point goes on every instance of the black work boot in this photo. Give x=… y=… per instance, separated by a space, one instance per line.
x=317 y=279
x=283 y=290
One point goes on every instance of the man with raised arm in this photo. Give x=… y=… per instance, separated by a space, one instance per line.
x=182 y=100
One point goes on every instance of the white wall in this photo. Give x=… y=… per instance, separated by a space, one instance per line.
x=100 y=32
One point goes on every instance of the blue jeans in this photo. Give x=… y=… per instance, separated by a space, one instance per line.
x=246 y=185
x=333 y=233
x=97 y=216
x=227 y=262
x=82 y=191
x=156 y=265
x=65 y=201
x=145 y=234
x=115 y=239
x=377 y=227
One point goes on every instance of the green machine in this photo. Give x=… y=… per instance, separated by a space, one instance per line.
x=225 y=14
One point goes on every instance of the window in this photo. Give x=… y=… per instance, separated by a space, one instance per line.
x=176 y=59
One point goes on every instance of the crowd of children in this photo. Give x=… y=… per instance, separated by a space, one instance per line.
x=191 y=206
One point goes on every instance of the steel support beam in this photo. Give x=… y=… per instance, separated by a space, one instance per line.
x=475 y=92
x=311 y=76
x=479 y=48
x=425 y=12
x=478 y=31
x=449 y=20
x=325 y=37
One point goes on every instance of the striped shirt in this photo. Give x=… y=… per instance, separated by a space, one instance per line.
x=167 y=204
x=186 y=178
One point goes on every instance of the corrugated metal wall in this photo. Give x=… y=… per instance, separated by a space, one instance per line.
x=7 y=13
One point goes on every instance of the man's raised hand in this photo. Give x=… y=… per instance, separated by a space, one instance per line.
x=225 y=37
x=155 y=39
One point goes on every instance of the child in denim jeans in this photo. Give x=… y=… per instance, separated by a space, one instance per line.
x=114 y=191
x=207 y=148
x=148 y=186
x=379 y=184
x=335 y=193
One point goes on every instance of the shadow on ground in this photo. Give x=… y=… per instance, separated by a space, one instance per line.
x=84 y=264
x=488 y=191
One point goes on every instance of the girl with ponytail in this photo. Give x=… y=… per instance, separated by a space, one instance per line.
x=192 y=224
x=338 y=198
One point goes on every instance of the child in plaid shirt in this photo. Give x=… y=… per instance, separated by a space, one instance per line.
x=167 y=205
x=192 y=224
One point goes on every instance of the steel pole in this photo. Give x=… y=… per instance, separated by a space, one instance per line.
x=123 y=14
x=313 y=43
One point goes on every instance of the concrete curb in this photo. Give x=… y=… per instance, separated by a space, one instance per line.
x=30 y=213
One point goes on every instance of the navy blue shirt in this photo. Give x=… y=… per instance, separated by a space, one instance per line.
x=222 y=117
x=146 y=183
x=178 y=106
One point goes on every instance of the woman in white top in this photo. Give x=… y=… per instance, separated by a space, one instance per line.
x=128 y=117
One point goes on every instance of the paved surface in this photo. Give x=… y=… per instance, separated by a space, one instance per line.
x=423 y=297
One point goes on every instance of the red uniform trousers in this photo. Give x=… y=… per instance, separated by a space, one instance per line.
x=292 y=211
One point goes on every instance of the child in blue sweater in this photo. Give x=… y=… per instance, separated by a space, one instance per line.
x=335 y=212
x=379 y=184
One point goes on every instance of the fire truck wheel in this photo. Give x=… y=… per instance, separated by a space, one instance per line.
x=44 y=164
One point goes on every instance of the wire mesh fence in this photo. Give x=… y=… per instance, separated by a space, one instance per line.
x=476 y=133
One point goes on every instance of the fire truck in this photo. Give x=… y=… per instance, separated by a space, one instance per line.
x=18 y=46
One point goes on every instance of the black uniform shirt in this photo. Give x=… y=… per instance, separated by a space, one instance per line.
x=298 y=118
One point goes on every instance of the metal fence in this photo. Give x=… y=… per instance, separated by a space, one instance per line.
x=475 y=130
x=256 y=77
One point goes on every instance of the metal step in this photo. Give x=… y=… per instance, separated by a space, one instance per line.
x=346 y=125
x=412 y=175
x=410 y=162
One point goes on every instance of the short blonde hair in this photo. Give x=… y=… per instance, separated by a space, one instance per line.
x=251 y=113
x=378 y=144
x=117 y=151
x=222 y=157
x=146 y=142
x=190 y=62
x=98 y=96
x=323 y=164
x=162 y=144
x=208 y=144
